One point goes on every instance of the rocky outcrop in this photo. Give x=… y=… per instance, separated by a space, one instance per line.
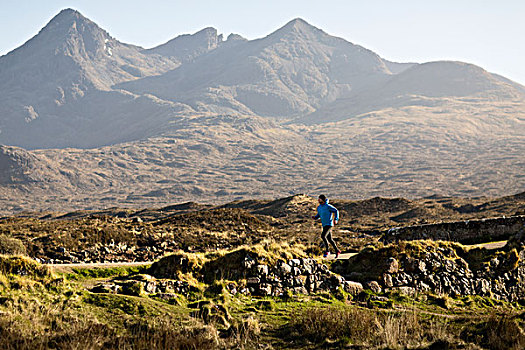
x=466 y=232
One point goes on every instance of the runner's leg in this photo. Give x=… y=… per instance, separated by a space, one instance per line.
x=326 y=230
x=330 y=239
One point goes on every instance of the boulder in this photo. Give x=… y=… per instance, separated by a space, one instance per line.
x=353 y=288
x=373 y=286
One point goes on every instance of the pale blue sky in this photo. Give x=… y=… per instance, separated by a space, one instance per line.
x=483 y=32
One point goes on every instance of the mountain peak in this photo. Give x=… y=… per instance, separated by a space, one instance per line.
x=74 y=33
x=68 y=12
x=298 y=26
x=297 y=22
x=66 y=17
x=187 y=47
x=69 y=20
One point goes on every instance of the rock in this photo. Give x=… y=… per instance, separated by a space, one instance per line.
x=288 y=282
x=143 y=277
x=285 y=269
x=106 y=288
x=410 y=291
x=422 y=266
x=150 y=287
x=248 y=262
x=392 y=265
x=300 y=280
x=307 y=261
x=262 y=269
x=166 y=296
x=387 y=280
x=482 y=287
x=336 y=280
x=134 y=288
x=373 y=286
x=294 y=262
x=423 y=286
x=307 y=269
x=353 y=288
x=253 y=280
x=299 y=290
x=265 y=289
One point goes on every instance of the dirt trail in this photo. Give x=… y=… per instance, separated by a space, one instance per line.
x=66 y=268
x=489 y=245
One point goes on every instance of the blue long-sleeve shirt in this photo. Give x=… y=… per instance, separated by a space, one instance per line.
x=325 y=211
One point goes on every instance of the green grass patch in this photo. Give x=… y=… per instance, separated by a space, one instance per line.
x=81 y=274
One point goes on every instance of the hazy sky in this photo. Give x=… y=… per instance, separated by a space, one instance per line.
x=488 y=33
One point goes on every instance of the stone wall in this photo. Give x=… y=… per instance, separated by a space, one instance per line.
x=465 y=232
x=441 y=268
x=252 y=275
x=298 y=276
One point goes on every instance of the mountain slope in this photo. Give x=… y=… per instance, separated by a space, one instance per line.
x=193 y=118
x=435 y=84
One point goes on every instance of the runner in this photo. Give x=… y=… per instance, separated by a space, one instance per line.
x=329 y=216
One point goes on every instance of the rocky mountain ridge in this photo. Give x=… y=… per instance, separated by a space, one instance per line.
x=73 y=85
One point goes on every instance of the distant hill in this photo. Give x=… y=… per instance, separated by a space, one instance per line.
x=431 y=84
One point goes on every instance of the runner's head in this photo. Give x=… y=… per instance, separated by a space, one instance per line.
x=322 y=199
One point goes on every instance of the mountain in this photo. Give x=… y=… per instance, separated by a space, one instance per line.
x=300 y=72
x=56 y=88
x=73 y=85
x=290 y=72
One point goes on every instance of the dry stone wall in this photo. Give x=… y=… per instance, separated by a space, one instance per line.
x=298 y=276
x=441 y=268
x=465 y=232
x=248 y=273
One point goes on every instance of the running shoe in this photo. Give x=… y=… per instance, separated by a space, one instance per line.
x=325 y=255
x=337 y=254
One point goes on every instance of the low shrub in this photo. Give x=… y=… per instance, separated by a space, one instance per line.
x=11 y=246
